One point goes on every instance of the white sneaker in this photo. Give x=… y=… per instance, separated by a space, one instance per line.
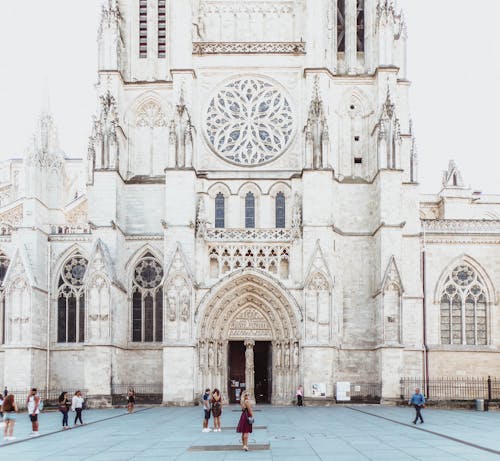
x=34 y=434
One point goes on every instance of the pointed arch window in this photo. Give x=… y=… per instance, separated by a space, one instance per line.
x=280 y=210
x=360 y=25
x=71 y=301
x=219 y=210
x=143 y=28
x=341 y=25
x=4 y=265
x=147 y=300
x=249 y=210
x=162 y=28
x=463 y=308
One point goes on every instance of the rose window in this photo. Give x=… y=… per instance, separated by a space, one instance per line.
x=148 y=273
x=249 y=122
x=74 y=270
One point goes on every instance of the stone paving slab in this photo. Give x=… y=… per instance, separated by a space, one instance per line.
x=341 y=433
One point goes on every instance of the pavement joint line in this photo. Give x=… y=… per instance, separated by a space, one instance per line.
x=439 y=434
x=46 y=434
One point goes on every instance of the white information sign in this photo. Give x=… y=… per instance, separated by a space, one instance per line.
x=319 y=390
x=343 y=391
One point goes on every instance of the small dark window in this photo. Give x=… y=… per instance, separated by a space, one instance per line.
x=341 y=25
x=219 y=210
x=360 y=25
x=280 y=210
x=358 y=160
x=356 y=138
x=249 y=210
x=352 y=107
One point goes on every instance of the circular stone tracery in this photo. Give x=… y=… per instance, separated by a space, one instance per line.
x=249 y=122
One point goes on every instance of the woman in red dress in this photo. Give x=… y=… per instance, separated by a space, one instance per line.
x=244 y=426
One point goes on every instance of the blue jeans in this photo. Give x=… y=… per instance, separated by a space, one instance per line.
x=65 y=418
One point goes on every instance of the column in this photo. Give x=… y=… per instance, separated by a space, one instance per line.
x=249 y=368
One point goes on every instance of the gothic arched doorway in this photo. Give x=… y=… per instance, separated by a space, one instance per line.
x=249 y=318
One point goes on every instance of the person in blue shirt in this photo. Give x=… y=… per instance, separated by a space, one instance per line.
x=418 y=401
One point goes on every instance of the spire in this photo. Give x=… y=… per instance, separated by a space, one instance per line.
x=452 y=178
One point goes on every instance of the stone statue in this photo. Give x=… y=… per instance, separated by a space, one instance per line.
x=172 y=301
x=210 y=355
x=287 y=355
x=278 y=354
x=295 y=354
x=201 y=349
x=219 y=355
x=184 y=308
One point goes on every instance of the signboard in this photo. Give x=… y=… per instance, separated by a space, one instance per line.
x=343 y=391
x=319 y=390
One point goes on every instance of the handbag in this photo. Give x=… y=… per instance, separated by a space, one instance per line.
x=250 y=420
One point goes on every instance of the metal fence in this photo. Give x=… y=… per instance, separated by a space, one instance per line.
x=50 y=398
x=453 y=388
x=364 y=392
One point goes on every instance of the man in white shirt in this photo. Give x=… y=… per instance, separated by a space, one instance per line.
x=33 y=402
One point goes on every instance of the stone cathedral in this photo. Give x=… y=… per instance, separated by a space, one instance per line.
x=248 y=216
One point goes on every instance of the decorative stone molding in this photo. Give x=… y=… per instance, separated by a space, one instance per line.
x=249 y=235
x=270 y=258
x=201 y=48
x=78 y=229
x=461 y=226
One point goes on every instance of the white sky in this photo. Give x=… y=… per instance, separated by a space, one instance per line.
x=453 y=62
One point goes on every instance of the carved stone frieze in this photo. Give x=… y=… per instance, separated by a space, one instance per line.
x=249 y=235
x=461 y=226
x=249 y=48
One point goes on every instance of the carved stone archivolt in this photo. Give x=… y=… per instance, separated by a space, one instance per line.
x=249 y=308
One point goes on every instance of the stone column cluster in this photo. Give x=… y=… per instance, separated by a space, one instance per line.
x=212 y=362
x=286 y=357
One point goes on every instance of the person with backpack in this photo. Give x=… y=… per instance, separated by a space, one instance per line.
x=35 y=405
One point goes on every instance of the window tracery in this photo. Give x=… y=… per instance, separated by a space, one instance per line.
x=219 y=211
x=464 y=308
x=147 y=300
x=249 y=210
x=71 y=301
x=4 y=265
x=249 y=122
x=280 y=210
x=341 y=26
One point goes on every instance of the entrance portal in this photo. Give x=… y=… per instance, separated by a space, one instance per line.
x=262 y=370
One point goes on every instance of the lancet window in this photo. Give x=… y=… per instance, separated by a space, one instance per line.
x=280 y=210
x=71 y=301
x=341 y=25
x=162 y=28
x=143 y=28
x=464 y=308
x=4 y=265
x=219 y=210
x=147 y=300
x=360 y=25
x=249 y=210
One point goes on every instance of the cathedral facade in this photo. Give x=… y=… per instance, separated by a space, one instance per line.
x=248 y=216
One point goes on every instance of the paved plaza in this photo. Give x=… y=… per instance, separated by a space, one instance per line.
x=364 y=432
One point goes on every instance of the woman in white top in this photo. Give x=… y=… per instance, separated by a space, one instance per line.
x=77 y=405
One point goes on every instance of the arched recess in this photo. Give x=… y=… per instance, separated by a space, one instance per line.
x=249 y=306
x=464 y=295
x=147 y=120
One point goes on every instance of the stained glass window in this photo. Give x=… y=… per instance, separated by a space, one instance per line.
x=360 y=25
x=280 y=209
x=464 y=308
x=249 y=122
x=249 y=210
x=71 y=301
x=147 y=300
x=219 y=210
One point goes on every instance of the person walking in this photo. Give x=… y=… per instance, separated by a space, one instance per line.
x=9 y=409
x=216 y=404
x=206 y=410
x=64 y=405
x=418 y=401
x=246 y=419
x=5 y=391
x=77 y=406
x=300 y=395
x=33 y=402
x=130 y=400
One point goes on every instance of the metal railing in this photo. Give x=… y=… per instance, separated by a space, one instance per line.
x=453 y=388
x=50 y=398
